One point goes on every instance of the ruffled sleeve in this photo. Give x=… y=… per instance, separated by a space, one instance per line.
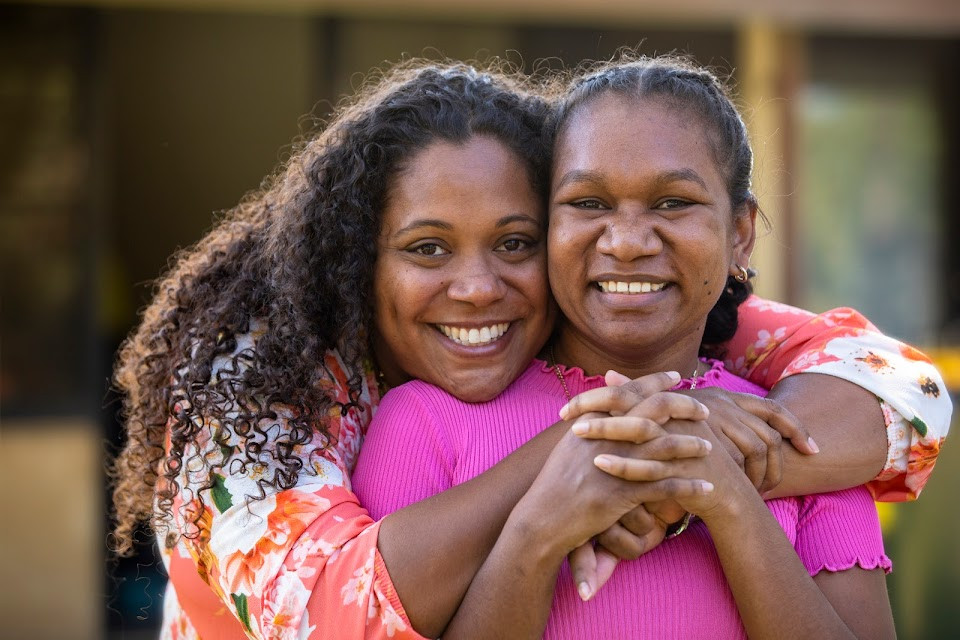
x=295 y=563
x=774 y=341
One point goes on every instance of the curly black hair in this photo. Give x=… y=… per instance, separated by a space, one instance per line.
x=686 y=86
x=292 y=265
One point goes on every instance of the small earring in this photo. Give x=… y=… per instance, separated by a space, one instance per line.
x=743 y=274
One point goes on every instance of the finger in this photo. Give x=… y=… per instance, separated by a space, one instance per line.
x=664 y=406
x=612 y=400
x=672 y=488
x=635 y=470
x=621 y=542
x=625 y=395
x=615 y=379
x=639 y=521
x=664 y=511
x=583 y=568
x=773 y=442
x=673 y=447
x=606 y=563
x=752 y=447
x=621 y=428
x=780 y=419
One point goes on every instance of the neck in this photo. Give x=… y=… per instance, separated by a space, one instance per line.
x=572 y=349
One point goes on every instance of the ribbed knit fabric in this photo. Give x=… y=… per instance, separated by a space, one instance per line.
x=423 y=441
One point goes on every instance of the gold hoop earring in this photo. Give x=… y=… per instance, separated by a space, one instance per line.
x=743 y=276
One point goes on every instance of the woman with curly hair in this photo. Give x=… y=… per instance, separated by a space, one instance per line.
x=255 y=370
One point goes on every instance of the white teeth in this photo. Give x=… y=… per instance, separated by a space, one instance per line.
x=614 y=286
x=483 y=335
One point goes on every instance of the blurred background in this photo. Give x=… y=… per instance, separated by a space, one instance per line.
x=125 y=125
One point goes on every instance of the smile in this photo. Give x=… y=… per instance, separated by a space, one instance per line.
x=483 y=335
x=612 y=286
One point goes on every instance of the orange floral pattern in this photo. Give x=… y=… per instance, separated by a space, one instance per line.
x=303 y=563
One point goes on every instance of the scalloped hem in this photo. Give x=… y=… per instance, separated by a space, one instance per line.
x=717 y=368
x=883 y=562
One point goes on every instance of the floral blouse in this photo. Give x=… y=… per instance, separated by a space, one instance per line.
x=303 y=562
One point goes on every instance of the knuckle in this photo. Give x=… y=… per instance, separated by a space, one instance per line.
x=757 y=450
x=738 y=458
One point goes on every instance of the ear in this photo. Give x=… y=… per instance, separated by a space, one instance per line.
x=743 y=235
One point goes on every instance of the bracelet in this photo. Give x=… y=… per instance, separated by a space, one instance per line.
x=679 y=527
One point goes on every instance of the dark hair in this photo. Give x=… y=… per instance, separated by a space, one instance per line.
x=683 y=85
x=238 y=328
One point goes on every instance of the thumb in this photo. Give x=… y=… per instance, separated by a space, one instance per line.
x=583 y=567
x=606 y=562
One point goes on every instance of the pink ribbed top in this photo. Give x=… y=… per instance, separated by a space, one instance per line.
x=423 y=441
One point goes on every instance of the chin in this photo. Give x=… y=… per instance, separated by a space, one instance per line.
x=472 y=391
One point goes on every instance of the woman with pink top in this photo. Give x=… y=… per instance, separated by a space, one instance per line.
x=256 y=369
x=652 y=223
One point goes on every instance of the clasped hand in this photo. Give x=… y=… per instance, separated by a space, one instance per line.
x=671 y=449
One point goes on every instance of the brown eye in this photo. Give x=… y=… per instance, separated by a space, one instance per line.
x=673 y=203
x=513 y=245
x=588 y=203
x=429 y=249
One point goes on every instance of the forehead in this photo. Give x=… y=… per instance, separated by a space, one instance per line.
x=452 y=178
x=443 y=164
x=631 y=134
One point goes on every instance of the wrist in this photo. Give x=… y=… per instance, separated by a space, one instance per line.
x=536 y=539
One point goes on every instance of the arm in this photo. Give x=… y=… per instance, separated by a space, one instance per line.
x=568 y=503
x=775 y=342
x=435 y=536
x=836 y=533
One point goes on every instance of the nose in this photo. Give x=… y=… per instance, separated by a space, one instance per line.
x=477 y=282
x=630 y=234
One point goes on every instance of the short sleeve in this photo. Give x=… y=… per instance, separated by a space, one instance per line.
x=774 y=341
x=839 y=530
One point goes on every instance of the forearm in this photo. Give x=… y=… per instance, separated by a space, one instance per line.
x=510 y=596
x=775 y=595
x=848 y=426
x=434 y=548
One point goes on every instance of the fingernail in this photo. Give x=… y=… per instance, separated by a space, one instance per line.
x=707 y=444
x=584 y=590
x=673 y=375
x=707 y=486
x=564 y=410
x=580 y=428
x=813 y=445
x=602 y=462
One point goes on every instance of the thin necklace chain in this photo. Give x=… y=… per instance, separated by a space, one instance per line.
x=566 y=390
x=556 y=370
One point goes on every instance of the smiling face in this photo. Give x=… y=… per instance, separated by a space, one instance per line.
x=642 y=235
x=460 y=280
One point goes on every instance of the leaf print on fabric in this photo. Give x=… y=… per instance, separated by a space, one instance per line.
x=221 y=496
x=243 y=613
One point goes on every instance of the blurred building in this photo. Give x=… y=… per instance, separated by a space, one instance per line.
x=125 y=124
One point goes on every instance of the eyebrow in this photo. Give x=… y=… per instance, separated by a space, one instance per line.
x=428 y=222
x=433 y=223
x=666 y=177
x=681 y=175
